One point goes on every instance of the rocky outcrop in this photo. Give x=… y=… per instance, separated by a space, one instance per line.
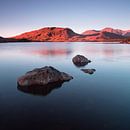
x=89 y=71
x=80 y=60
x=43 y=76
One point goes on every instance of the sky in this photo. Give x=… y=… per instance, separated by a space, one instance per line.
x=18 y=16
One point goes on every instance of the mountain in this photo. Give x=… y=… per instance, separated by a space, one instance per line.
x=103 y=37
x=56 y=34
x=2 y=39
x=111 y=30
x=91 y=32
x=106 y=34
x=52 y=34
x=126 y=40
x=125 y=33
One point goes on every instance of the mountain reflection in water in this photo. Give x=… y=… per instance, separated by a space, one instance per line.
x=54 y=52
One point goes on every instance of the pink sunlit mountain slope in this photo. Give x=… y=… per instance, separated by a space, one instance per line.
x=58 y=34
x=51 y=34
x=125 y=33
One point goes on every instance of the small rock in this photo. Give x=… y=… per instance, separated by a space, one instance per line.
x=43 y=76
x=89 y=71
x=80 y=60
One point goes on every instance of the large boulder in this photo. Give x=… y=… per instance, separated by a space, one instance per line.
x=43 y=76
x=80 y=60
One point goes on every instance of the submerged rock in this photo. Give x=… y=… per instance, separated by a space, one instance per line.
x=43 y=76
x=80 y=60
x=89 y=71
x=40 y=90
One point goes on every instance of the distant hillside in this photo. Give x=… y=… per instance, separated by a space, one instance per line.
x=2 y=39
x=91 y=32
x=125 y=33
x=102 y=36
x=58 y=34
x=126 y=40
x=51 y=34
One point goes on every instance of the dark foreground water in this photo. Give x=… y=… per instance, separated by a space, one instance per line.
x=88 y=102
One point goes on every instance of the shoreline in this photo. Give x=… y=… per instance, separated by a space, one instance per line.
x=92 y=42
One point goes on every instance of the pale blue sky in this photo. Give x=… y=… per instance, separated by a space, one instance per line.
x=18 y=16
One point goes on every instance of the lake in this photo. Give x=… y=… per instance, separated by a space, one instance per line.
x=100 y=101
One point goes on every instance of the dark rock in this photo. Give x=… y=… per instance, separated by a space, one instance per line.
x=43 y=76
x=80 y=60
x=40 y=90
x=89 y=71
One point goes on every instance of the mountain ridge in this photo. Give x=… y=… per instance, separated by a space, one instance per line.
x=110 y=30
x=48 y=34
x=59 y=34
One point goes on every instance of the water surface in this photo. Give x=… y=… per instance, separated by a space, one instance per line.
x=95 y=102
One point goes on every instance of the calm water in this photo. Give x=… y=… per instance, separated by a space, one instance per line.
x=88 y=102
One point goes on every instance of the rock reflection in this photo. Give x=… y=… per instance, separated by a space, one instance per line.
x=40 y=90
x=89 y=71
